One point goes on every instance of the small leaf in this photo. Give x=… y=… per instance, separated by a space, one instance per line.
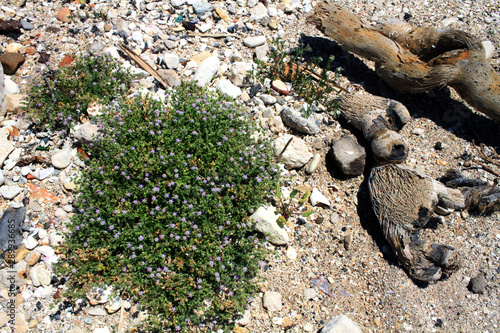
x=305 y=197
x=293 y=194
x=307 y=213
x=278 y=190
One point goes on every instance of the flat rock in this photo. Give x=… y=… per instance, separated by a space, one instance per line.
x=349 y=157
x=10 y=192
x=258 y=12
x=265 y=222
x=293 y=119
x=297 y=153
x=201 y=7
x=316 y=160
x=10 y=86
x=170 y=76
x=11 y=234
x=341 y=324
x=97 y=312
x=206 y=71
x=171 y=60
x=61 y=158
x=6 y=147
x=272 y=301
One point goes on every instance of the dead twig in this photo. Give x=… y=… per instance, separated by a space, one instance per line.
x=121 y=317
x=486 y=167
x=195 y=34
x=144 y=65
x=286 y=146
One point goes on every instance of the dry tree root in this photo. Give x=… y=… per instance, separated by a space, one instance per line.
x=404 y=201
x=417 y=59
x=379 y=119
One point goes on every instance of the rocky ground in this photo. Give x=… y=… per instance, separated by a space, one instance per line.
x=341 y=243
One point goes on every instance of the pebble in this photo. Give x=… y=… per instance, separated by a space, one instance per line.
x=201 y=7
x=314 y=164
x=293 y=119
x=227 y=88
x=297 y=153
x=26 y=25
x=61 y=158
x=309 y=293
x=339 y=324
x=10 y=192
x=478 y=284
x=264 y=220
x=280 y=87
x=11 y=61
x=253 y=42
x=272 y=301
x=32 y=257
x=40 y=276
x=64 y=15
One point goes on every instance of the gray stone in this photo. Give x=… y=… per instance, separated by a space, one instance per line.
x=171 y=60
x=40 y=276
x=227 y=88
x=26 y=25
x=268 y=99
x=252 y=3
x=11 y=234
x=254 y=41
x=258 y=12
x=293 y=119
x=341 y=324
x=10 y=192
x=478 y=284
x=170 y=44
x=86 y=132
x=61 y=158
x=206 y=71
x=261 y=52
x=95 y=48
x=239 y=74
x=201 y=7
x=97 y=312
x=272 y=301
x=264 y=220
x=297 y=153
x=177 y=3
x=349 y=157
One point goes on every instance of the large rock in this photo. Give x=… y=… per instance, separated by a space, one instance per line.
x=349 y=157
x=264 y=220
x=297 y=153
x=293 y=119
x=206 y=71
x=11 y=62
x=341 y=324
x=11 y=234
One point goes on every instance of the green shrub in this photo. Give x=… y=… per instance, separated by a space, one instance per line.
x=163 y=209
x=60 y=98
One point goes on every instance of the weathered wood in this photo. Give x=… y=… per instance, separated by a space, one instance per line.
x=417 y=59
x=379 y=119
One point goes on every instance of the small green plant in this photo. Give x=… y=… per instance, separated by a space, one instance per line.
x=163 y=210
x=287 y=207
x=59 y=100
x=301 y=71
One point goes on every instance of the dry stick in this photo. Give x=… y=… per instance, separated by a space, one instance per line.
x=144 y=65
x=286 y=146
x=121 y=317
x=487 y=168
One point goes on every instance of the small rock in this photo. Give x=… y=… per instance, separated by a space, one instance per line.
x=40 y=276
x=272 y=301
x=348 y=156
x=113 y=305
x=171 y=60
x=313 y=165
x=10 y=86
x=201 y=7
x=245 y=320
x=10 y=228
x=170 y=76
x=10 y=192
x=418 y=131
x=297 y=153
x=76 y=329
x=95 y=48
x=258 y=12
x=86 y=132
x=97 y=312
x=11 y=61
x=287 y=323
x=341 y=324
x=489 y=49
x=309 y=293
x=21 y=254
x=264 y=220
x=33 y=257
x=61 y=158
x=280 y=87
x=318 y=198
x=239 y=73
x=64 y=15
x=13 y=102
x=478 y=284
x=227 y=88
x=254 y=41
x=205 y=72
x=293 y=119
x=20 y=323
x=30 y=242
x=26 y=25
x=41 y=194
x=307 y=327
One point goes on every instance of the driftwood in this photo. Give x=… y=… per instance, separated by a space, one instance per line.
x=379 y=119
x=417 y=59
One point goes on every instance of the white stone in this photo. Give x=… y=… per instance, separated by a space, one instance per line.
x=341 y=324
x=205 y=27
x=55 y=239
x=258 y=12
x=10 y=192
x=86 y=132
x=254 y=41
x=5 y=149
x=272 y=11
x=46 y=250
x=40 y=276
x=227 y=88
x=2 y=178
x=264 y=220
x=318 y=198
x=112 y=51
x=272 y=301
x=61 y=158
x=206 y=71
x=171 y=60
x=297 y=153
x=44 y=173
x=10 y=86
x=489 y=49
x=30 y=243
x=291 y=253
